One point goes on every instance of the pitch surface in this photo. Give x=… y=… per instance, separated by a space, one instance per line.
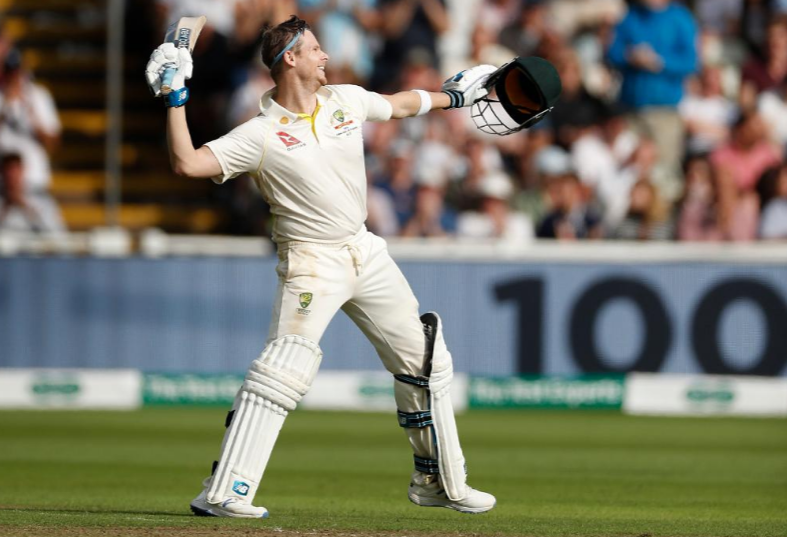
x=580 y=473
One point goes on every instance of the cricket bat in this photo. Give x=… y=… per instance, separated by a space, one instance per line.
x=183 y=34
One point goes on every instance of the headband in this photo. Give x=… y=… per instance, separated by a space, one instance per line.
x=288 y=47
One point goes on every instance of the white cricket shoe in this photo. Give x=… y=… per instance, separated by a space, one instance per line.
x=433 y=495
x=231 y=507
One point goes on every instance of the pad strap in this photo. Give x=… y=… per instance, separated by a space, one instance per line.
x=423 y=382
x=414 y=419
x=427 y=466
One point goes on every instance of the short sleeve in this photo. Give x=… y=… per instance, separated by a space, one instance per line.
x=240 y=150
x=45 y=111
x=374 y=107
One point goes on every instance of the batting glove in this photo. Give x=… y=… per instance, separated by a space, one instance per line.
x=467 y=87
x=167 y=71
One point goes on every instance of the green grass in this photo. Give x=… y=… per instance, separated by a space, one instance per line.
x=554 y=473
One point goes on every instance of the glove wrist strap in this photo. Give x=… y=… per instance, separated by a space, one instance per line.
x=177 y=98
x=457 y=99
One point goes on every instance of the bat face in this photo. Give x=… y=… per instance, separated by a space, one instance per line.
x=185 y=31
x=183 y=34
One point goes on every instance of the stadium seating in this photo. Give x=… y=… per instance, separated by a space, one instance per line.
x=64 y=44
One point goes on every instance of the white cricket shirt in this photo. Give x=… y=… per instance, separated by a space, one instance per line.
x=310 y=169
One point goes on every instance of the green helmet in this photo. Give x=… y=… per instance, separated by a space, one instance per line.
x=526 y=89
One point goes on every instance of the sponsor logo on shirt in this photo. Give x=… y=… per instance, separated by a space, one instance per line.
x=290 y=141
x=344 y=124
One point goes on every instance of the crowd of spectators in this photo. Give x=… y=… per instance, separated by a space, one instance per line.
x=672 y=122
x=29 y=132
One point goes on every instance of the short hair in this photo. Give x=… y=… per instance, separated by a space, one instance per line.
x=10 y=158
x=275 y=38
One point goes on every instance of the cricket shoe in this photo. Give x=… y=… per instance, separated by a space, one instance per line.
x=433 y=495
x=231 y=507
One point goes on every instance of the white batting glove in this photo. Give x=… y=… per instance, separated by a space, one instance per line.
x=170 y=67
x=467 y=87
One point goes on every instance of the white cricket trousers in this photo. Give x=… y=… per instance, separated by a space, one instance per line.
x=360 y=278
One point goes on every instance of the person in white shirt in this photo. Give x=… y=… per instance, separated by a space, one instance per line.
x=29 y=123
x=305 y=151
x=20 y=210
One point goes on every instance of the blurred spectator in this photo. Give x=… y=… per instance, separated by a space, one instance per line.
x=768 y=69
x=381 y=215
x=707 y=113
x=647 y=217
x=430 y=216
x=21 y=210
x=494 y=15
x=406 y=26
x=569 y=16
x=29 y=124
x=772 y=190
x=534 y=200
x=591 y=43
x=737 y=167
x=525 y=31
x=719 y=16
x=396 y=180
x=484 y=48
x=698 y=218
x=245 y=101
x=494 y=218
x=655 y=49
x=343 y=28
x=576 y=105
x=571 y=217
x=481 y=159
x=772 y=106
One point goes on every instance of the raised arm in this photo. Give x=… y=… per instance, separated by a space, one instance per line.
x=184 y=159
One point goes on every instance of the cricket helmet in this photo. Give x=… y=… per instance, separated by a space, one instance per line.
x=526 y=90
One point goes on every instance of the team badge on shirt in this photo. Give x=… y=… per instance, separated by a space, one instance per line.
x=290 y=141
x=342 y=123
x=305 y=299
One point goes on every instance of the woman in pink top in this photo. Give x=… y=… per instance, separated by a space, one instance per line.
x=738 y=166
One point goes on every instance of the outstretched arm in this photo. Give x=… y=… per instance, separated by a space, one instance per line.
x=408 y=103
x=462 y=89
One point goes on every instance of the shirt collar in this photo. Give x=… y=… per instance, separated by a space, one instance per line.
x=270 y=108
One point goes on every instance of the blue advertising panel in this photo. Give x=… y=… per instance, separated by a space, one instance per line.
x=211 y=315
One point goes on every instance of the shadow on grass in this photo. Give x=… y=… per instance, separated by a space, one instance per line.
x=92 y=511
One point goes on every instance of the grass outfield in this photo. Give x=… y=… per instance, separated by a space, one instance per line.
x=554 y=473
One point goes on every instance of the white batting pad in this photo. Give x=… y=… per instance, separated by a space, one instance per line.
x=451 y=460
x=274 y=385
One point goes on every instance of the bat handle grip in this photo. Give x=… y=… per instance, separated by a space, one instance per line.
x=166 y=79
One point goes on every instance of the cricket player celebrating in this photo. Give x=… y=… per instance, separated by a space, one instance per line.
x=305 y=152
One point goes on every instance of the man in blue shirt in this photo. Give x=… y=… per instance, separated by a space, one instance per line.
x=655 y=49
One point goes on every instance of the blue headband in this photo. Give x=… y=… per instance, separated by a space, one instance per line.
x=288 y=47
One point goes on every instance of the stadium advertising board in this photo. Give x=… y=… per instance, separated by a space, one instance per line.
x=70 y=389
x=648 y=393
x=569 y=318
x=331 y=390
x=538 y=392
